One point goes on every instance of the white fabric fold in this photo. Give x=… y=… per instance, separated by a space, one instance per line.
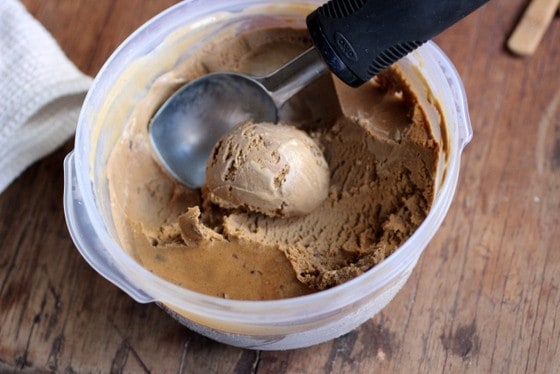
x=41 y=92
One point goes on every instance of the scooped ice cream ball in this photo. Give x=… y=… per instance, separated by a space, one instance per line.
x=269 y=168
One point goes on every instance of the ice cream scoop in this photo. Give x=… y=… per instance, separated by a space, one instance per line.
x=273 y=169
x=354 y=39
x=186 y=128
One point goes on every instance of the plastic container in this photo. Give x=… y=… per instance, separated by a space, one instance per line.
x=279 y=324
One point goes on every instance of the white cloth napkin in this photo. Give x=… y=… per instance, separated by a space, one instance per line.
x=41 y=92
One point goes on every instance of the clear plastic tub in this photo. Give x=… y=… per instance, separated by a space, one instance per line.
x=279 y=324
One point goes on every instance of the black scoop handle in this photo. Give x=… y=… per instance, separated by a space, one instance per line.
x=360 y=38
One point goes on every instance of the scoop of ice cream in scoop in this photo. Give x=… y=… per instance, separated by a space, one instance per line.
x=273 y=169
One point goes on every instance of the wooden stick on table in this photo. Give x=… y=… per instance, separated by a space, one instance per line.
x=529 y=31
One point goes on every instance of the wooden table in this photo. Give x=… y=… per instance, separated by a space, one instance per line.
x=484 y=297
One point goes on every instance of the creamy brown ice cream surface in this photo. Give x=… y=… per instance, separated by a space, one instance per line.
x=274 y=169
x=382 y=161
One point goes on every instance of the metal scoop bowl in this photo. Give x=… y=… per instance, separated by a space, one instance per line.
x=188 y=125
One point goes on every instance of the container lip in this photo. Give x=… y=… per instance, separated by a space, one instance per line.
x=322 y=302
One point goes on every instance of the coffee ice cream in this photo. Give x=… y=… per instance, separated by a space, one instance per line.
x=277 y=170
x=370 y=170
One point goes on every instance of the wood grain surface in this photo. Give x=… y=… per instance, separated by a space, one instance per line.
x=484 y=297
